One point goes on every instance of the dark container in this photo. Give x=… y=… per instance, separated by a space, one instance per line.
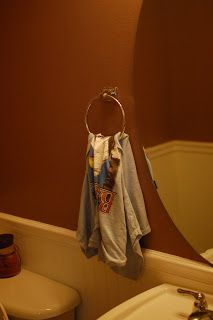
x=10 y=261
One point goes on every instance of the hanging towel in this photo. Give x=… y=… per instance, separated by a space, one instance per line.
x=112 y=217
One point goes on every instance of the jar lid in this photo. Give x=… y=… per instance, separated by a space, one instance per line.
x=6 y=240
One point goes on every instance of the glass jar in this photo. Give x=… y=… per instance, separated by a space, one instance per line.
x=10 y=261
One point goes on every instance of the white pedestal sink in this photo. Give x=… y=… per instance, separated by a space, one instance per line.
x=161 y=302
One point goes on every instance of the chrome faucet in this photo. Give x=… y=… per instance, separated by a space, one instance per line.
x=200 y=310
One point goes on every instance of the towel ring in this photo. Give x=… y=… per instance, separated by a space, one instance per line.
x=107 y=95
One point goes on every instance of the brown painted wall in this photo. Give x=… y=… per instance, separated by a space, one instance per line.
x=190 y=28
x=54 y=57
x=151 y=81
x=173 y=69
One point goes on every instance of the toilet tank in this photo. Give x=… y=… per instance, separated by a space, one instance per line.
x=31 y=296
x=66 y=316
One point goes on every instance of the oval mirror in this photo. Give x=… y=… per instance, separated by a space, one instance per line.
x=173 y=78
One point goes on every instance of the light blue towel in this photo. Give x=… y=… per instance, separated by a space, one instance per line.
x=112 y=217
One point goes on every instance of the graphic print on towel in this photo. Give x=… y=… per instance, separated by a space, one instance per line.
x=104 y=160
x=112 y=215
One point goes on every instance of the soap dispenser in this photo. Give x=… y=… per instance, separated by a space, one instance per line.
x=10 y=262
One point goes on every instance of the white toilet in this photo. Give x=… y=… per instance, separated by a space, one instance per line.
x=31 y=296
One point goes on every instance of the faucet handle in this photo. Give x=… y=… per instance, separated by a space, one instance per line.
x=200 y=303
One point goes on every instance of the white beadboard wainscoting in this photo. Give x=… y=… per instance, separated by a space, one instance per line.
x=54 y=252
x=183 y=171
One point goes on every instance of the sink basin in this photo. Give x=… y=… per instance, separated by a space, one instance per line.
x=161 y=302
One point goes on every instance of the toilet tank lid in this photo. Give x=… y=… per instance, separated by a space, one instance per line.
x=29 y=295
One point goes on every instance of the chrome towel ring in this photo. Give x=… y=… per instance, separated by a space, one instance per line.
x=107 y=94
